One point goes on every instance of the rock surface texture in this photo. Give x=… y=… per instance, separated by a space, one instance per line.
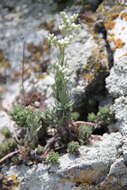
x=91 y=169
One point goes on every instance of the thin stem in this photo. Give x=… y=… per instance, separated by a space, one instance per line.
x=23 y=71
x=61 y=56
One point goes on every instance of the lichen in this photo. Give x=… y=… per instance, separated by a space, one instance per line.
x=96 y=62
x=119 y=43
x=9 y=182
x=114 y=15
x=109 y=25
x=4 y=63
x=124 y=16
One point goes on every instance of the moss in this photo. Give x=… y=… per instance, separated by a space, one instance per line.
x=6 y=132
x=53 y=157
x=40 y=149
x=19 y=114
x=92 y=117
x=75 y=115
x=7 y=146
x=16 y=159
x=73 y=147
x=84 y=133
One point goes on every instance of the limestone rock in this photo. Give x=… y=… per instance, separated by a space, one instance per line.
x=89 y=169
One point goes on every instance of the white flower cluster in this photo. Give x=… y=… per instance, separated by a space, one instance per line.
x=62 y=68
x=52 y=39
x=67 y=23
x=60 y=42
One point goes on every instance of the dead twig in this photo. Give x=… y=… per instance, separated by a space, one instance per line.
x=49 y=144
x=77 y=123
x=10 y=155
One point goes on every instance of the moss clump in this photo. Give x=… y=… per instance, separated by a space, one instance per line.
x=19 y=114
x=84 y=133
x=92 y=117
x=6 y=132
x=73 y=147
x=25 y=116
x=53 y=157
x=40 y=149
x=30 y=119
x=75 y=115
x=16 y=159
x=103 y=117
x=7 y=146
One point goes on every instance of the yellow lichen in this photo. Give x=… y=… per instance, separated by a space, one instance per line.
x=41 y=75
x=124 y=54
x=109 y=25
x=110 y=39
x=88 y=76
x=9 y=182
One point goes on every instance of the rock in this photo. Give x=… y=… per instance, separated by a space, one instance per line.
x=91 y=168
x=117 y=81
x=5 y=121
x=116 y=178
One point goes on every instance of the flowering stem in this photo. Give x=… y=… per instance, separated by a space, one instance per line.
x=61 y=56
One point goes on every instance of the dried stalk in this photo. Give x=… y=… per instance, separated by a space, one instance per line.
x=11 y=154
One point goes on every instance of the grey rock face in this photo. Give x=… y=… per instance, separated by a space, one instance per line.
x=117 y=82
x=91 y=167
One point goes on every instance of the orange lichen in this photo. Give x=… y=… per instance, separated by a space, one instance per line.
x=47 y=26
x=109 y=25
x=118 y=43
x=114 y=16
x=4 y=63
x=124 y=16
